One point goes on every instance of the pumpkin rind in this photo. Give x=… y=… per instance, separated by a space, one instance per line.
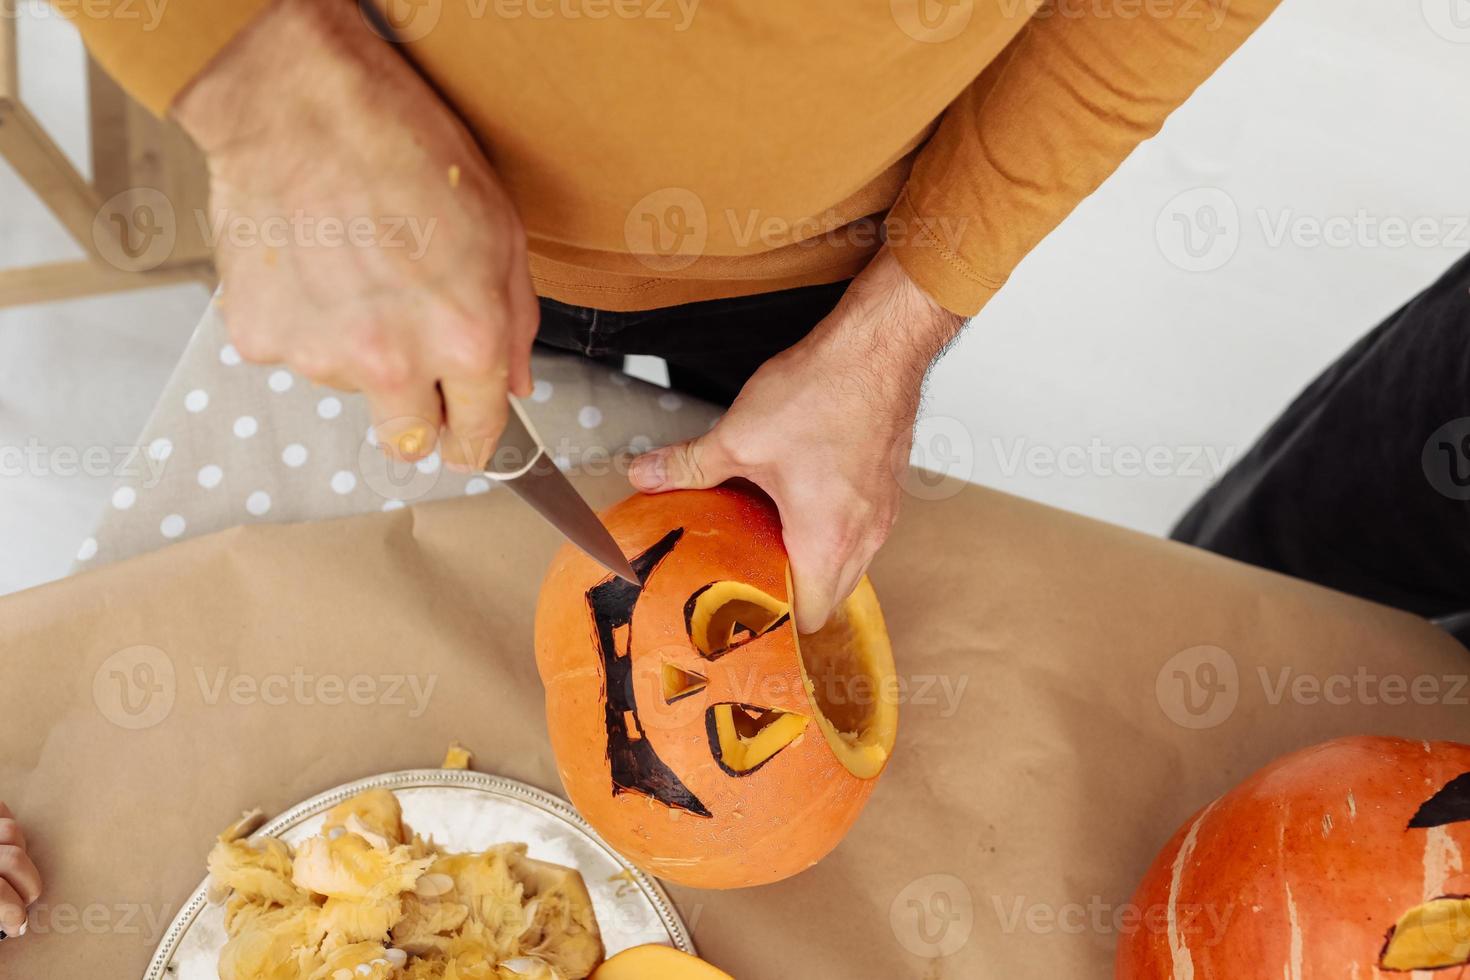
x=1309 y=867
x=637 y=709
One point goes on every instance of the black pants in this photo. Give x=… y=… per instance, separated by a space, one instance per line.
x=1363 y=484
x=711 y=347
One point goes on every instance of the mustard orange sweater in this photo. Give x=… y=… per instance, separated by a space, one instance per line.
x=664 y=151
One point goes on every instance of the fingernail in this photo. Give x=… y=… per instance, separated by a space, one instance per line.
x=411 y=442
x=647 y=471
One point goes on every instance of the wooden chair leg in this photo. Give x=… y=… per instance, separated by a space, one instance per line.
x=132 y=153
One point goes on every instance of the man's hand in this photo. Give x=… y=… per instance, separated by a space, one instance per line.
x=20 y=882
x=362 y=236
x=825 y=428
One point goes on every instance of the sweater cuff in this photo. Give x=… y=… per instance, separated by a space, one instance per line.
x=925 y=250
x=157 y=53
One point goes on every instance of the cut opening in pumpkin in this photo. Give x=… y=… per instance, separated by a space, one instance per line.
x=723 y=615
x=680 y=683
x=744 y=737
x=847 y=666
x=1431 y=936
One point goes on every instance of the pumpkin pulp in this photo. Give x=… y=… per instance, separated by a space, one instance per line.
x=846 y=667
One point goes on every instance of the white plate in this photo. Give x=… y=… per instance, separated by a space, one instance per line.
x=462 y=811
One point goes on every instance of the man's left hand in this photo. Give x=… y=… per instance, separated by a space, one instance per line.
x=825 y=429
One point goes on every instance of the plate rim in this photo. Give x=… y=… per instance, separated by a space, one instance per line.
x=490 y=783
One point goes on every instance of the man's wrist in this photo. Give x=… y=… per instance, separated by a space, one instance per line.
x=890 y=324
x=297 y=50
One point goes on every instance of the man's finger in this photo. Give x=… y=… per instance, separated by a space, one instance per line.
x=693 y=465
x=407 y=421
x=12 y=910
x=525 y=318
x=814 y=580
x=827 y=562
x=17 y=869
x=475 y=413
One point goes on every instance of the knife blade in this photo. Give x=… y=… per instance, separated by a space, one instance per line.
x=521 y=462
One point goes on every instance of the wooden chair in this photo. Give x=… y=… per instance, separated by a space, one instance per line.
x=141 y=166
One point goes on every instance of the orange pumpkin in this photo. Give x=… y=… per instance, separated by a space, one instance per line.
x=1342 y=861
x=691 y=727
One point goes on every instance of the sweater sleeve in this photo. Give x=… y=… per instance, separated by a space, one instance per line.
x=1045 y=123
x=160 y=45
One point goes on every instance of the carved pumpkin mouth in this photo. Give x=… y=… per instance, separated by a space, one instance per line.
x=1431 y=936
x=846 y=667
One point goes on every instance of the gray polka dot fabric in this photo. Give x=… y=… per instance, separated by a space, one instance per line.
x=233 y=443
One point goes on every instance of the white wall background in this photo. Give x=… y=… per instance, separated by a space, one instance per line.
x=1345 y=115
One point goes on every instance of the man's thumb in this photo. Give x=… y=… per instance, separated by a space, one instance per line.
x=692 y=465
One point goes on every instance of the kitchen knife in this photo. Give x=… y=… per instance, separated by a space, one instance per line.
x=522 y=463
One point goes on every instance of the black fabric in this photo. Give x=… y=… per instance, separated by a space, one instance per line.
x=711 y=347
x=1360 y=485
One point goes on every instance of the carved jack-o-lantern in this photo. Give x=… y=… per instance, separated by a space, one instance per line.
x=691 y=727
x=1346 y=860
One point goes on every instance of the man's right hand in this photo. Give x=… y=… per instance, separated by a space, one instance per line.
x=363 y=238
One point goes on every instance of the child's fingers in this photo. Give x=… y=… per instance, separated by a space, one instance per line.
x=12 y=910
x=20 y=874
